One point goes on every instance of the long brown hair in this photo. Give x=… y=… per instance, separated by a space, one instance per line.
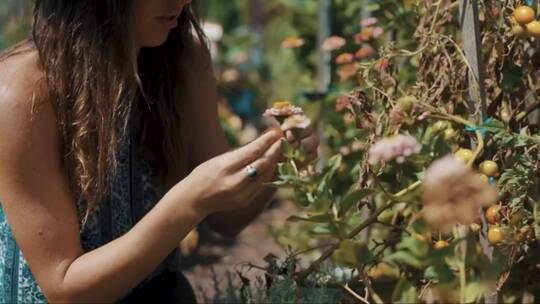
x=95 y=79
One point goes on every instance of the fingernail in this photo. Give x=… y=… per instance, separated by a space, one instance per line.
x=277 y=131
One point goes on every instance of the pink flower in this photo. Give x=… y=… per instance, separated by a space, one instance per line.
x=370 y=21
x=283 y=109
x=333 y=43
x=342 y=103
x=397 y=147
x=298 y=121
x=344 y=58
x=377 y=32
x=453 y=194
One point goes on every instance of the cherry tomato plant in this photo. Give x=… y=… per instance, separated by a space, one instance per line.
x=419 y=200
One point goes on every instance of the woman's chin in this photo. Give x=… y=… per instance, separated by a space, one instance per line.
x=155 y=41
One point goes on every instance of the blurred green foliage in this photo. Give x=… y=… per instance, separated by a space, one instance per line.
x=14 y=21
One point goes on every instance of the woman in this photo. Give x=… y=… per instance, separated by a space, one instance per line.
x=111 y=153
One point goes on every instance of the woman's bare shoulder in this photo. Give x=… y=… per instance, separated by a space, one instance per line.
x=20 y=76
x=25 y=112
x=22 y=82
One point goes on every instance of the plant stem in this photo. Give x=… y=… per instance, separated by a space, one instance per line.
x=478 y=149
x=407 y=190
x=372 y=219
x=354 y=294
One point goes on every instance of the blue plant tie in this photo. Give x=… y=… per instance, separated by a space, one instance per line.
x=492 y=181
x=530 y=2
x=481 y=129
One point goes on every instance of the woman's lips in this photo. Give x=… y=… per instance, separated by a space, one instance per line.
x=168 y=21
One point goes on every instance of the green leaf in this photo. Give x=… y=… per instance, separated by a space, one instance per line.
x=404 y=292
x=352 y=254
x=419 y=248
x=352 y=198
x=286 y=169
x=324 y=230
x=405 y=257
x=440 y=273
x=474 y=292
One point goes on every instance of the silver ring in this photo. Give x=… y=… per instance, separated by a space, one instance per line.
x=251 y=171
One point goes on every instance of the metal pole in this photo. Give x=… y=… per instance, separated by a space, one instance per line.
x=324 y=68
x=470 y=28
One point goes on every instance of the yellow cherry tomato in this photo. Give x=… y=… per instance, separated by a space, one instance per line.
x=440 y=244
x=524 y=14
x=484 y=177
x=489 y=168
x=464 y=154
x=496 y=235
x=533 y=29
x=450 y=134
x=493 y=215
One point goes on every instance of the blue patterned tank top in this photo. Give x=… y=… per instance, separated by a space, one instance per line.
x=133 y=193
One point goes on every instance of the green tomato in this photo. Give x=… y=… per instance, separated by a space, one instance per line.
x=407 y=102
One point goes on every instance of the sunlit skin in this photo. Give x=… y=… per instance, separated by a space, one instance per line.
x=153 y=20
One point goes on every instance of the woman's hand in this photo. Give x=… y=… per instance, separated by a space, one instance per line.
x=223 y=183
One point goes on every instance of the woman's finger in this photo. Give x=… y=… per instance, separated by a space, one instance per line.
x=262 y=165
x=302 y=133
x=311 y=144
x=247 y=154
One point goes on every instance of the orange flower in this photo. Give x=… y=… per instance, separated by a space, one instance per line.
x=368 y=33
x=345 y=58
x=282 y=109
x=292 y=42
x=346 y=71
x=365 y=52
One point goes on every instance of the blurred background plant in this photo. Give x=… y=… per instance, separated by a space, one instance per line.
x=14 y=21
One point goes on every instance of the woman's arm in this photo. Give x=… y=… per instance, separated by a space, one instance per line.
x=207 y=139
x=42 y=213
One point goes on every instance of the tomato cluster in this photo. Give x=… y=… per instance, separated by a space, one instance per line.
x=525 y=23
x=507 y=226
